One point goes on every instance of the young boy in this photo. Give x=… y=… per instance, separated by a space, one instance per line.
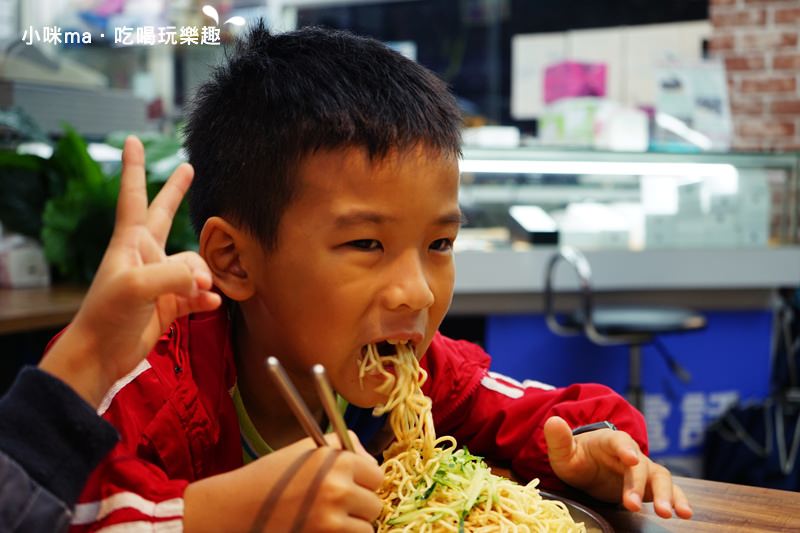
x=326 y=200
x=50 y=436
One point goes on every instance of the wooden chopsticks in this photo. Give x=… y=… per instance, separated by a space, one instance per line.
x=300 y=409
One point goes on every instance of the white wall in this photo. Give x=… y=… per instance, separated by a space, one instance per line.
x=8 y=19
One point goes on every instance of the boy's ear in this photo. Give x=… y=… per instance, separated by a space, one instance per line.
x=224 y=248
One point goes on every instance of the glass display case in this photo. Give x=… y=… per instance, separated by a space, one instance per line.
x=630 y=201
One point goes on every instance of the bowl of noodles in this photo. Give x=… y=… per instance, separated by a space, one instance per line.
x=431 y=485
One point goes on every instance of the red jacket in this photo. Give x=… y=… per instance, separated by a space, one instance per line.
x=177 y=422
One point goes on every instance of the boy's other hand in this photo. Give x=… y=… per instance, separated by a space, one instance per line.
x=137 y=291
x=297 y=488
x=608 y=465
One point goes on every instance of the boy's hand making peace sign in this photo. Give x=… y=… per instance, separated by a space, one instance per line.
x=137 y=291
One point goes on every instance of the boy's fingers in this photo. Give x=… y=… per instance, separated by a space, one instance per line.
x=356 y=525
x=199 y=268
x=622 y=447
x=359 y=448
x=165 y=204
x=157 y=279
x=198 y=303
x=559 y=439
x=633 y=484
x=150 y=250
x=682 y=507
x=365 y=504
x=661 y=487
x=132 y=203
x=367 y=473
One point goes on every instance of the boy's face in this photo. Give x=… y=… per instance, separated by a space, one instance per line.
x=364 y=254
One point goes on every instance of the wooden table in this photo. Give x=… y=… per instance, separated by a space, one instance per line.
x=31 y=309
x=717 y=507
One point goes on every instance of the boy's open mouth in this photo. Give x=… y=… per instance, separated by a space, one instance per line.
x=386 y=348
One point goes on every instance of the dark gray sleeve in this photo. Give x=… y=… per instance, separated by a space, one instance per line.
x=52 y=433
x=26 y=506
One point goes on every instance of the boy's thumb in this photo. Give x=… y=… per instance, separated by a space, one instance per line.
x=559 y=439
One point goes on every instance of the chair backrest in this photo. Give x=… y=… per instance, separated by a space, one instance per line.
x=580 y=264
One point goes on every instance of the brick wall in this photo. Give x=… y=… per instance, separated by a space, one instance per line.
x=759 y=42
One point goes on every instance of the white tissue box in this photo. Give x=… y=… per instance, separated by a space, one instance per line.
x=23 y=265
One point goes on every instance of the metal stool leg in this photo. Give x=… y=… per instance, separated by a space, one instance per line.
x=635 y=392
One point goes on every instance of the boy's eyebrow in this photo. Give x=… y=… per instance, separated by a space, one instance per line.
x=374 y=217
x=456 y=217
x=361 y=217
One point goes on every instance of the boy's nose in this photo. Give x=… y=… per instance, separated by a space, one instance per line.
x=408 y=285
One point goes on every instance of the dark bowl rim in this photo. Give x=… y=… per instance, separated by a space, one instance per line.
x=604 y=525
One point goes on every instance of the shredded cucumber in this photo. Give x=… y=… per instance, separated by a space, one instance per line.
x=460 y=472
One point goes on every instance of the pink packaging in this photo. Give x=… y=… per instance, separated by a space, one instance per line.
x=572 y=78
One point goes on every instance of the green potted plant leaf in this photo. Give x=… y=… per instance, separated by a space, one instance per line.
x=68 y=202
x=77 y=224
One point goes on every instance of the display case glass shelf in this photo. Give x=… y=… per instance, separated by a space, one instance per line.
x=633 y=201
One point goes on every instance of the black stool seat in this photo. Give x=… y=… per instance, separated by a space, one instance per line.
x=647 y=321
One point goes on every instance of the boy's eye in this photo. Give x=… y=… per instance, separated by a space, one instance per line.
x=442 y=245
x=366 y=244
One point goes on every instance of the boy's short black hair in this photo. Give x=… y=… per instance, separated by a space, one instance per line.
x=280 y=97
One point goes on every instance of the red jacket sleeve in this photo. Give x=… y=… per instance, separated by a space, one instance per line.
x=130 y=492
x=124 y=489
x=131 y=486
x=502 y=419
x=176 y=423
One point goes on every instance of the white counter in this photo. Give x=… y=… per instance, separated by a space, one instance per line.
x=513 y=281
